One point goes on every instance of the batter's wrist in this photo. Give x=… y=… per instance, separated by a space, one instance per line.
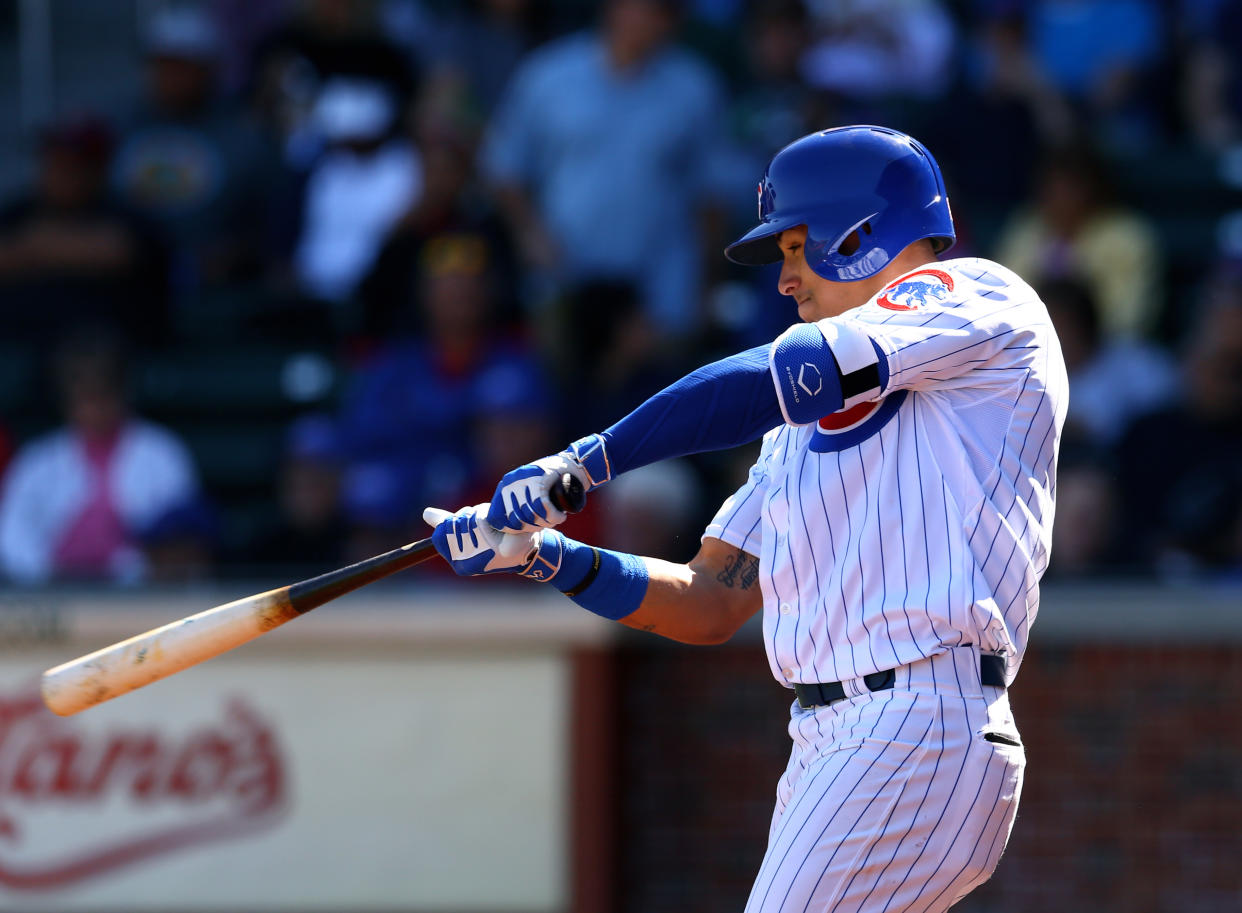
x=610 y=584
x=578 y=588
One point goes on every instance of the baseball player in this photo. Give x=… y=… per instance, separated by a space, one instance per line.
x=893 y=530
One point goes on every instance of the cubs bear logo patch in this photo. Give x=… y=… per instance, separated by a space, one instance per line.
x=915 y=290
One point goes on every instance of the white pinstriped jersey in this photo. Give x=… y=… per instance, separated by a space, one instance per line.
x=919 y=517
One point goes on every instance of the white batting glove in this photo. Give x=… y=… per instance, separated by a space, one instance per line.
x=522 y=501
x=472 y=546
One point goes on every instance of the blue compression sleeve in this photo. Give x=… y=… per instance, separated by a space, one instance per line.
x=725 y=404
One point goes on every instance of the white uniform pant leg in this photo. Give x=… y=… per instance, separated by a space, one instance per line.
x=893 y=801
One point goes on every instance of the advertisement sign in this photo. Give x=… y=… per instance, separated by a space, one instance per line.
x=377 y=774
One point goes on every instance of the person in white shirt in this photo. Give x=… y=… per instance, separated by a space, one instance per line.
x=366 y=179
x=75 y=500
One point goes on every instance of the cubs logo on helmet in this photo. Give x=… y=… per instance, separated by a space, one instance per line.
x=916 y=290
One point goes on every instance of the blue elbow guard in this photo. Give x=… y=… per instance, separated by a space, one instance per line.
x=805 y=374
x=822 y=368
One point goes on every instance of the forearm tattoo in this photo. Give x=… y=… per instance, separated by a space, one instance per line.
x=740 y=572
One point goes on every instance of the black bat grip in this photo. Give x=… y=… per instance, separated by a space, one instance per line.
x=568 y=494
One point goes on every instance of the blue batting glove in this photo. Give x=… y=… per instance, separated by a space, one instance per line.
x=522 y=501
x=472 y=546
x=519 y=502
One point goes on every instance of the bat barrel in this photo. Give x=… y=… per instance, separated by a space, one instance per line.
x=146 y=658
x=122 y=667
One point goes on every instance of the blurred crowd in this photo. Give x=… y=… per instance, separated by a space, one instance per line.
x=502 y=221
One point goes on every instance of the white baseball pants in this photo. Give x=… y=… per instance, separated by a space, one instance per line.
x=898 y=800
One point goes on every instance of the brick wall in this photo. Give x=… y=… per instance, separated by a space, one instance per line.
x=1133 y=797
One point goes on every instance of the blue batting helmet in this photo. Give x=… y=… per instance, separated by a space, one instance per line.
x=877 y=182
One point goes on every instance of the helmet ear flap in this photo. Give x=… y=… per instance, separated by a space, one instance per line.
x=847 y=257
x=850 y=244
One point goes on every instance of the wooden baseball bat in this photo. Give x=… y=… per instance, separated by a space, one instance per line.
x=130 y=664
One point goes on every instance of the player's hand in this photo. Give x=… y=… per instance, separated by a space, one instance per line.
x=472 y=546
x=522 y=500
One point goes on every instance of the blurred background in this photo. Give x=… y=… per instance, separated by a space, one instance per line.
x=277 y=274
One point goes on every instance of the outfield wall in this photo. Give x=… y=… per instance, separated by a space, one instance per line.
x=407 y=748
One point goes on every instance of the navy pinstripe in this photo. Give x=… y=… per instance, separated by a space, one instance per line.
x=853 y=826
x=914 y=816
x=814 y=566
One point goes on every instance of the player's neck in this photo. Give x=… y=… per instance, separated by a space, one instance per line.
x=920 y=253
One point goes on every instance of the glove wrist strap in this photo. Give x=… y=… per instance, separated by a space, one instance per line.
x=591 y=454
x=547 y=560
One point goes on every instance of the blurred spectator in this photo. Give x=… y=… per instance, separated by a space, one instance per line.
x=242 y=25
x=1180 y=468
x=1075 y=228
x=407 y=415
x=379 y=506
x=179 y=546
x=69 y=254
x=515 y=421
x=609 y=180
x=6 y=449
x=1108 y=59
x=323 y=40
x=76 y=499
x=368 y=175
x=1084 y=537
x=613 y=360
x=1213 y=82
x=1232 y=570
x=1005 y=68
x=654 y=510
x=310 y=529
x=1111 y=380
x=445 y=111
x=1002 y=86
x=452 y=201
x=481 y=42
x=773 y=105
x=866 y=49
x=193 y=165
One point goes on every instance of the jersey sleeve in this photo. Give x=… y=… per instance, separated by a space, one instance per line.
x=951 y=327
x=738 y=521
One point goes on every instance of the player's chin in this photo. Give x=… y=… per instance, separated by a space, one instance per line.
x=807 y=312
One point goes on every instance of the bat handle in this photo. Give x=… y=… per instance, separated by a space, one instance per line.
x=568 y=494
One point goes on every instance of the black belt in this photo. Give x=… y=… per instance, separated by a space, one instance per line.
x=819 y=694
